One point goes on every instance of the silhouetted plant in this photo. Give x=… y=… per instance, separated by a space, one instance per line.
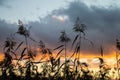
x=85 y=72
x=117 y=56
x=64 y=39
x=52 y=68
x=101 y=51
x=80 y=29
x=22 y=30
x=6 y=64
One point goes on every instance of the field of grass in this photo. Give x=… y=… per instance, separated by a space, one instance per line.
x=23 y=66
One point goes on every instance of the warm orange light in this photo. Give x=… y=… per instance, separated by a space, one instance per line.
x=87 y=57
x=1 y=56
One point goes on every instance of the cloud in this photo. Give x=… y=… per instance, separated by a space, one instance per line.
x=48 y=29
x=3 y=3
x=103 y=26
x=6 y=29
x=102 y=23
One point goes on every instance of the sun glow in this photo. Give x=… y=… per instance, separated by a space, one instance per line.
x=60 y=18
x=88 y=57
x=1 y=56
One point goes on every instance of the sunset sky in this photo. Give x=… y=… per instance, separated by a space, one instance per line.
x=49 y=17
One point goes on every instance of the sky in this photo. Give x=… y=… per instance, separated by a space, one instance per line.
x=31 y=10
x=28 y=10
x=49 y=17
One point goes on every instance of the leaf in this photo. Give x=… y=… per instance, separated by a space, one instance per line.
x=32 y=39
x=78 y=49
x=75 y=51
x=58 y=47
x=118 y=61
x=117 y=44
x=58 y=60
x=88 y=40
x=19 y=46
x=52 y=61
x=14 y=54
x=59 y=69
x=85 y=64
x=75 y=60
x=63 y=37
x=44 y=51
x=72 y=55
x=83 y=33
x=74 y=40
x=59 y=52
x=41 y=44
x=101 y=60
x=83 y=28
x=49 y=51
x=22 y=54
x=7 y=44
x=30 y=54
x=78 y=62
x=101 y=51
x=1 y=63
x=7 y=60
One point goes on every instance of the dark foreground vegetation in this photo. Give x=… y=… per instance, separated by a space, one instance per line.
x=19 y=59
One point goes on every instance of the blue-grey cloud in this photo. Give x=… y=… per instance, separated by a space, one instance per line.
x=6 y=29
x=102 y=25
x=4 y=3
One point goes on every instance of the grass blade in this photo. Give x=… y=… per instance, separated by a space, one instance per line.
x=19 y=46
x=74 y=40
x=59 y=53
x=58 y=47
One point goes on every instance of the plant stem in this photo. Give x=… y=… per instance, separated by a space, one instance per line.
x=26 y=43
x=65 y=60
x=117 y=64
x=65 y=52
x=79 y=46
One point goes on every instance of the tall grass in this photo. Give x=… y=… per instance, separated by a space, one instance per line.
x=24 y=66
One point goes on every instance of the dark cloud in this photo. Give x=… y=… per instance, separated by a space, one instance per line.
x=3 y=3
x=103 y=25
x=48 y=30
x=6 y=29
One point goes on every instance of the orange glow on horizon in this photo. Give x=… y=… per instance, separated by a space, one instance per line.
x=82 y=55
x=1 y=56
x=87 y=57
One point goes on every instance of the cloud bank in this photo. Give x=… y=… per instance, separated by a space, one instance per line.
x=103 y=25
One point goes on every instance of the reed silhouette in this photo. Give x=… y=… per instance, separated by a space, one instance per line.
x=19 y=59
